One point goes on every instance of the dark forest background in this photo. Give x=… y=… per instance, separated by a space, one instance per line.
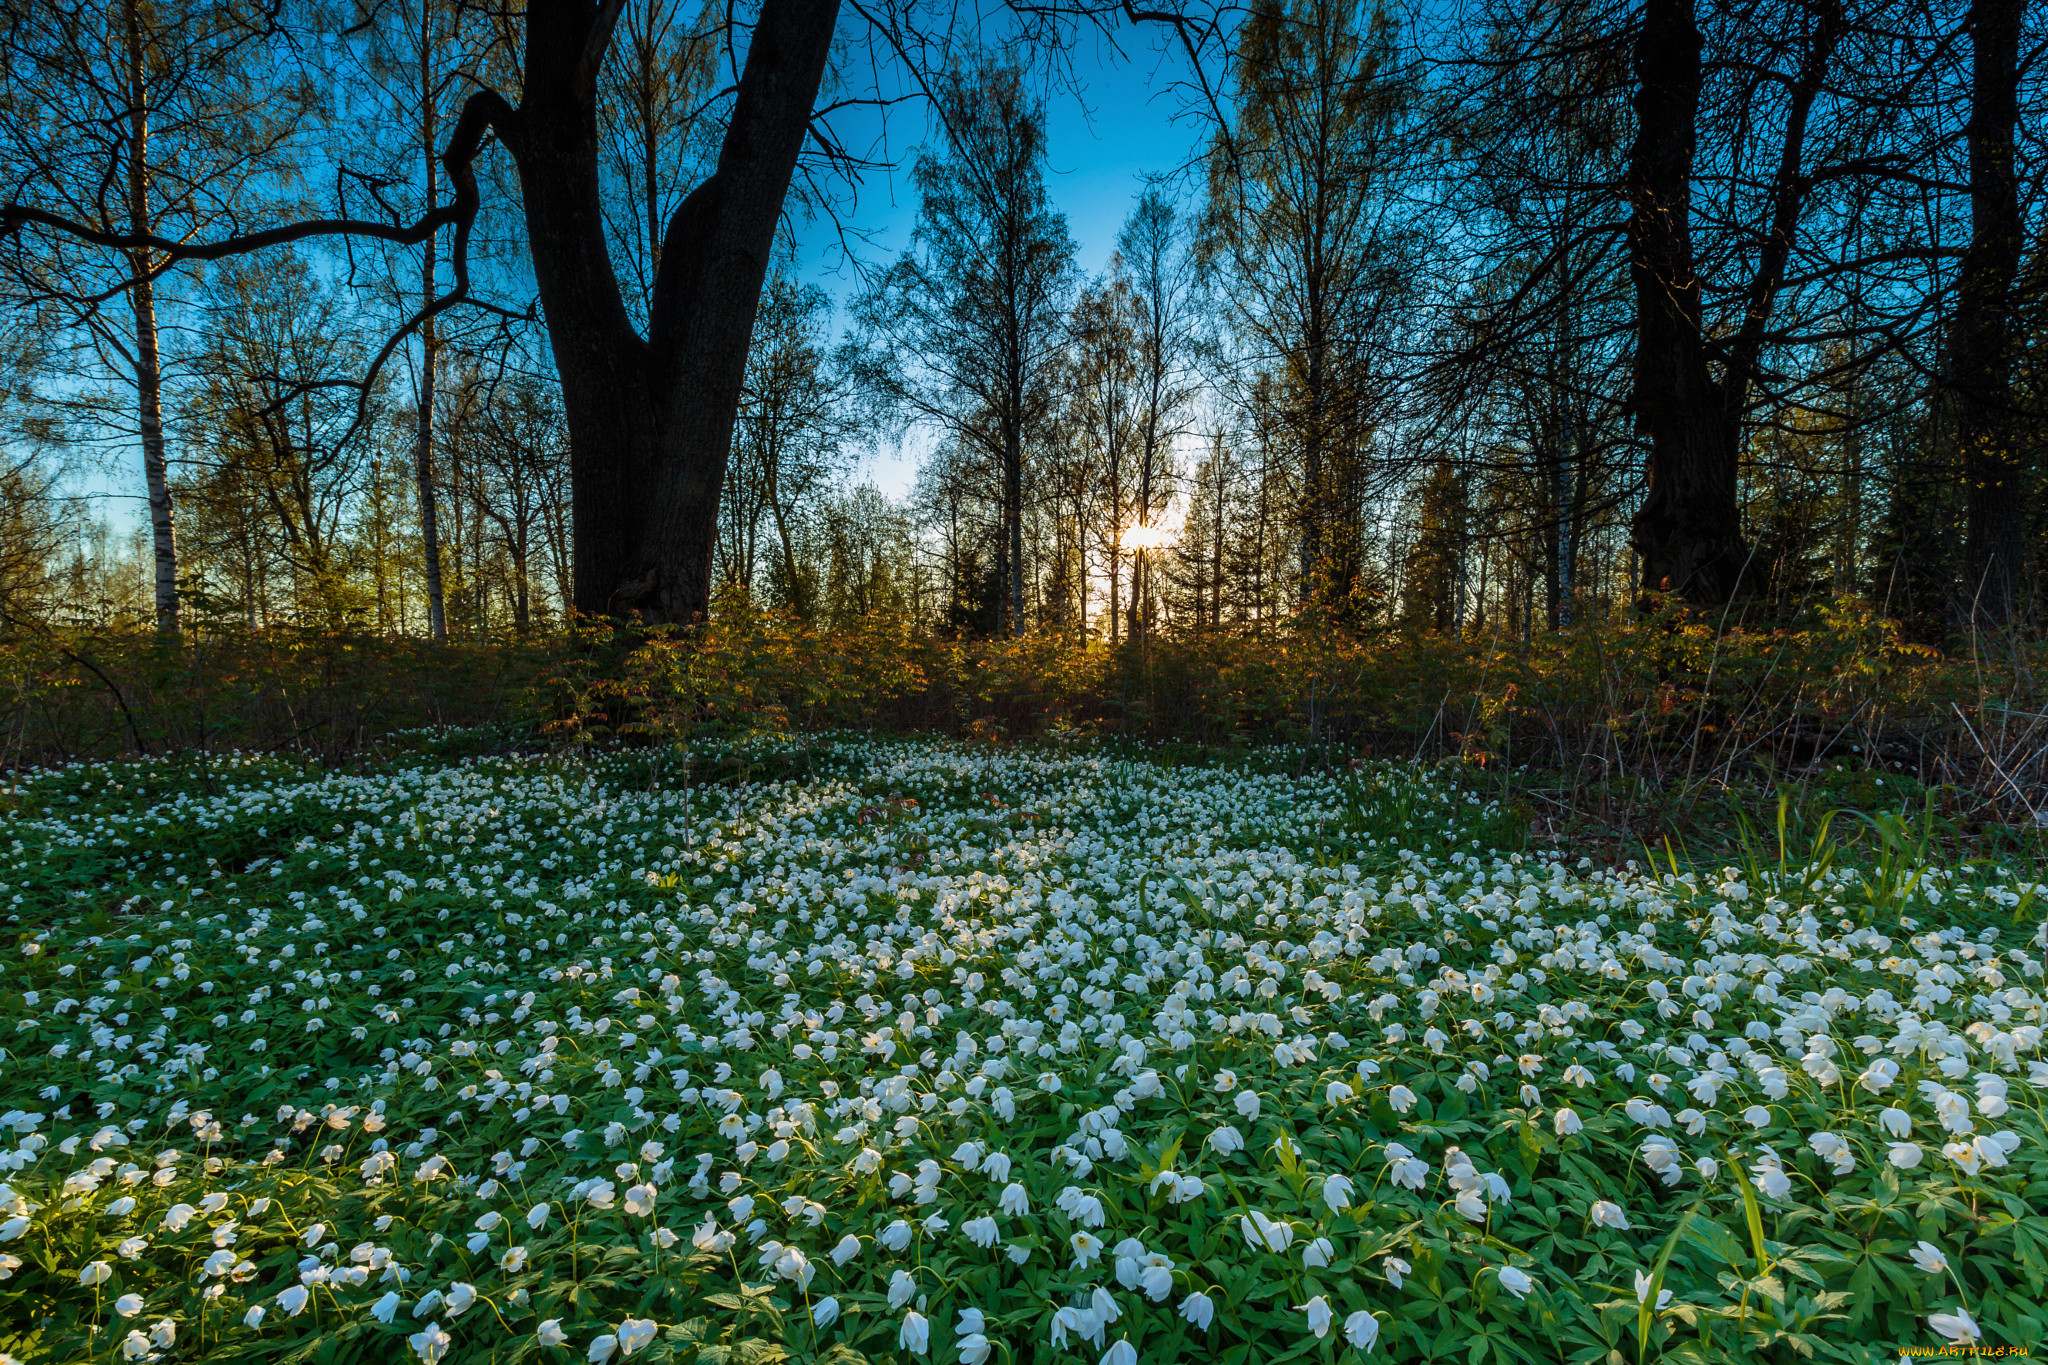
x=1509 y=327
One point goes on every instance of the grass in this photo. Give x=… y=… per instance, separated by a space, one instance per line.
x=839 y=1049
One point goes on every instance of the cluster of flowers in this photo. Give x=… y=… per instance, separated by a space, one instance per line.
x=937 y=1052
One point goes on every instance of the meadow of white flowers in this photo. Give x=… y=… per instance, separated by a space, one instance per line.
x=919 y=1053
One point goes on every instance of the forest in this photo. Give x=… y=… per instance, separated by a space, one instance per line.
x=867 y=682
x=1479 y=323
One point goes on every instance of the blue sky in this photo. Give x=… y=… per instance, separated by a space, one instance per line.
x=1110 y=124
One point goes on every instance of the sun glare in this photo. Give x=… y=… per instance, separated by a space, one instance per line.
x=1147 y=537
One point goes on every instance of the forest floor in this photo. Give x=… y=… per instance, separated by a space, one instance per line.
x=903 y=1050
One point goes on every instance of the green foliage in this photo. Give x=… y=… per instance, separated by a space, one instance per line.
x=1434 y=584
x=1618 y=734
x=605 y=1052
x=332 y=695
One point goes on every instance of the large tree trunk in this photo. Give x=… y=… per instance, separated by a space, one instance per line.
x=650 y=421
x=714 y=262
x=1996 y=586
x=149 y=373
x=602 y=362
x=1688 y=529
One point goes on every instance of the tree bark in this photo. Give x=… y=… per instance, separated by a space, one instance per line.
x=650 y=421
x=149 y=375
x=1996 y=589
x=1689 y=528
x=714 y=262
x=149 y=384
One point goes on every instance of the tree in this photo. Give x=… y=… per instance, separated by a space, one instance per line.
x=417 y=54
x=383 y=549
x=1200 y=555
x=1101 y=379
x=36 y=524
x=516 y=460
x=1433 y=589
x=965 y=329
x=283 y=445
x=650 y=417
x=1531 y=356
x=36 y=520
x=140 y=127
x=953 y=502
x=1166 y=315
x=867 y=552
x=1783 y=181
x=793 y=417
x=1693 y=383
x=1302 y=216
x=1996 y=566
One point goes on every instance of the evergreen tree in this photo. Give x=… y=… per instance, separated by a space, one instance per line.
x=1433 y=587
